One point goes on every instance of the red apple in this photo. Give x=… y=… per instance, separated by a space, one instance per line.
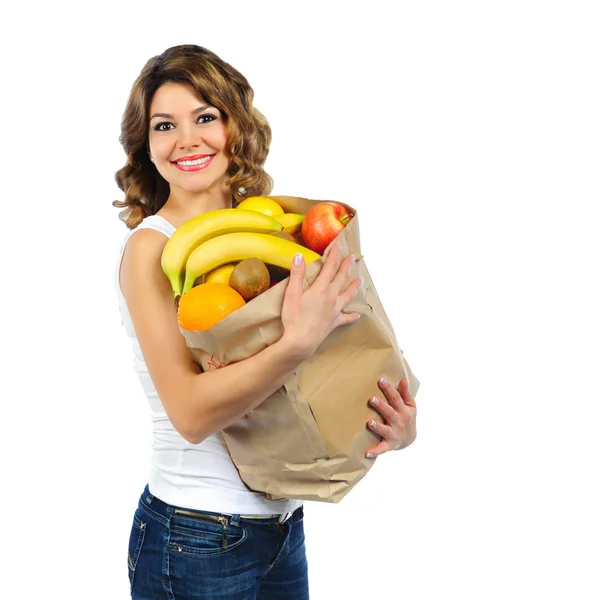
x=322 y=224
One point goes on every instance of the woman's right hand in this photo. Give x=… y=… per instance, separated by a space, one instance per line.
x=310 y=315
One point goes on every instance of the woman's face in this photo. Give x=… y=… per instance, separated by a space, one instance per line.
x=187 y=139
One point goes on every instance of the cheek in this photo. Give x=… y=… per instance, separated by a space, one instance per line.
x=220 y=139
x=158 y=146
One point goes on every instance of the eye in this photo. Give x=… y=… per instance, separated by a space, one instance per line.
x=209 y=117
x=161 y=126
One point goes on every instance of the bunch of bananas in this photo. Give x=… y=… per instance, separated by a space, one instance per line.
x=229 y=235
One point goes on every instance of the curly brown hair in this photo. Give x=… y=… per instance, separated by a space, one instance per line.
x=248 y=131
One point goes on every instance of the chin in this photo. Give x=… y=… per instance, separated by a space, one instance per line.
x=205 y=186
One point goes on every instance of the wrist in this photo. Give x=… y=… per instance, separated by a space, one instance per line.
x=292 y=350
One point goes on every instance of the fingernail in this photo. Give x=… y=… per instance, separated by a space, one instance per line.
x=383 y=381
x=298 y=258
x=352 y=258
x=372 y=423
x=361 y=281
x=339 y=245
x=375 y=401
x=369 y=455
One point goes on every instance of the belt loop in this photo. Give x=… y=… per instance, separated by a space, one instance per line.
x=149 y=496
x=284 y=517
x=235 y=520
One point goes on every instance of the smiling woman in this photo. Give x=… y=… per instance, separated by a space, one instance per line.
x=180 y=96
x=193 y=138
x=188 y=129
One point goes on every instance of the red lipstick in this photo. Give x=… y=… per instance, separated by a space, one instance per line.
x=195 y=157
x=189 y=168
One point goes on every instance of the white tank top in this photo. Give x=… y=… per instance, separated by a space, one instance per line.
x=196 y=476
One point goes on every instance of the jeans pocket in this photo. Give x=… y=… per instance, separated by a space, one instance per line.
x=204 y=535
x=136 y=539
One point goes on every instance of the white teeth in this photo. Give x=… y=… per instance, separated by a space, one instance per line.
x=191 y=163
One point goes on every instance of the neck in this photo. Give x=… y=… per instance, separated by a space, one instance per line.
x=190 y=204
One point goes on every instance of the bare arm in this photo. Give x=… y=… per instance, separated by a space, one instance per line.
x=202 y=403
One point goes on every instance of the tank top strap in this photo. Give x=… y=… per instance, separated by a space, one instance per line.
x=155 y=222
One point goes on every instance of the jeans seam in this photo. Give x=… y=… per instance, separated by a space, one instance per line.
x=167 y=562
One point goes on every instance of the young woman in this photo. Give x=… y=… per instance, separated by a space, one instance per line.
x=194 y=142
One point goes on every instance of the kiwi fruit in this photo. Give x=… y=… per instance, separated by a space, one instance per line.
x=250 y=278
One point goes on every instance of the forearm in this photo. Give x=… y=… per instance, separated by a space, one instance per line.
x=220 y=397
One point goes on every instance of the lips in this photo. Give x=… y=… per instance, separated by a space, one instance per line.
x=194 y=157
x=193 y=163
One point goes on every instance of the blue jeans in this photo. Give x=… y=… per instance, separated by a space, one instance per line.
x=187 y=555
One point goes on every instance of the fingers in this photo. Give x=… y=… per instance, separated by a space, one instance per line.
x=331 y=265
x=392 y=394
x=343 y=274
x=381 y=448
x=399 y=430
x=294 y=290
x=347 y=318
x=346 y=296
x=383 y=408
x=405 y=393
x=384 y=431
x=332 y=277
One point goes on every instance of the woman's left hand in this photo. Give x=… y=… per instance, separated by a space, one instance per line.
x=400 y=426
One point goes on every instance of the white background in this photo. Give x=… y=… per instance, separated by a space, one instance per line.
x=467 y=134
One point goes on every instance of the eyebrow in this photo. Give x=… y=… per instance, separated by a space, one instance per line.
x=194 y=112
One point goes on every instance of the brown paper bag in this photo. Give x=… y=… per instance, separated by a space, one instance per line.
x=308 y=440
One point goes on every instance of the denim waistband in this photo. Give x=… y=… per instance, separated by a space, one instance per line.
x=163 y=512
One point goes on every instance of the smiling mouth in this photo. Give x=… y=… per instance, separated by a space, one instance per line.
x=193 y=163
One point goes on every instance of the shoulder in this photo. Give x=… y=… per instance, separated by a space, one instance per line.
x=146 y=238
x=141 y=265
x=145 y=244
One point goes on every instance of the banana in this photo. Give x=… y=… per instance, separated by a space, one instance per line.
x=233 y=247
x=292 y=222
x=205 y=227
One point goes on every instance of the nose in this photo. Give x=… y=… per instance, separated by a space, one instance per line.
x=188 y=138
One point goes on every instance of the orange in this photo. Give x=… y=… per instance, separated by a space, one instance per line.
x=206 y=304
